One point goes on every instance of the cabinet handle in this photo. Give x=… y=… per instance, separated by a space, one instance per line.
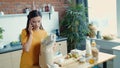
x=59 y=44
x=59 y=47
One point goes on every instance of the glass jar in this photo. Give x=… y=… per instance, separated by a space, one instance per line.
x=95 y=50
x=47 y=8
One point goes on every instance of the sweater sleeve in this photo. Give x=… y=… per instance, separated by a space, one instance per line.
x=24 y=37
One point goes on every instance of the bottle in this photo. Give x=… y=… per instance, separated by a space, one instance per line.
x=98 y=35
x=52 y=9
x=47 y=8
x=88 y=48
x=93 y=43
x=57 y=33
x=1 y=13
x=95 y=50
x=89 y=52
x=27 y=10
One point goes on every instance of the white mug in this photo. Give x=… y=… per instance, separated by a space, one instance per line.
x=1 y=13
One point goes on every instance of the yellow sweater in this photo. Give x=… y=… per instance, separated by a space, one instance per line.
x=31 y=58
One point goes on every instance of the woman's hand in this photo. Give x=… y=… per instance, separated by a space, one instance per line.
x=30 y=28
x=27 y=45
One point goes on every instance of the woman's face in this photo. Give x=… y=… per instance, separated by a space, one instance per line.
x=35 y=22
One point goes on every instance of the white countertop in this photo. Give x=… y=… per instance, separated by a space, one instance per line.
x=116 y=48
x=117 y=40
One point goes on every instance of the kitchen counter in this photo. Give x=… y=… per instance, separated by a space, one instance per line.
x=11 y=48
x=60 y=39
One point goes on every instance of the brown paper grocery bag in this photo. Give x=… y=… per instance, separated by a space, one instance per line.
x=42 y=60
x=46 y=56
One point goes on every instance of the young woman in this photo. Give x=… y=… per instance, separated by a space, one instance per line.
x=30 y=39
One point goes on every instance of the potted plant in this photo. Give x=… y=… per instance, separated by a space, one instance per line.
x=74 y=26
x=1 y=32
x=92 y=31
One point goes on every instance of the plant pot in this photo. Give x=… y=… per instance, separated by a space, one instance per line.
x=81 y=45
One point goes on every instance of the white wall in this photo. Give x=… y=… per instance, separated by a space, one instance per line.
x=118 y=17
x=13 y=25
x=103 y=14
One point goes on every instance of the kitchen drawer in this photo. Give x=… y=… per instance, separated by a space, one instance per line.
x=16 y=56
x=62 y=47
x=5 y=56
x=10 y=59
x=5 y=60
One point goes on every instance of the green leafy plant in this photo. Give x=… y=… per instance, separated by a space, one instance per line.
x=1 y=32
x=74 y=25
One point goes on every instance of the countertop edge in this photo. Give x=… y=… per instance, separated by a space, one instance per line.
x=19 y=47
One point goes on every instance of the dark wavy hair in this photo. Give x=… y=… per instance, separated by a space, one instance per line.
x=32 y=14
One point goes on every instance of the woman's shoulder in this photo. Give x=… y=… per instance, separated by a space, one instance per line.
x=24 y=31
x=44 y=32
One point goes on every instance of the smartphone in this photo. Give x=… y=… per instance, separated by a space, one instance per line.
x=31 y=25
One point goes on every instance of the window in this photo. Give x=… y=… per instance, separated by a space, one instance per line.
x=103 y=15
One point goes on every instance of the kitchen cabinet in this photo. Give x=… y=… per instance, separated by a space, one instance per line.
x=61 y=46
x=5 y=60
x=116 y=61
x=10 y=59
x=15 y=58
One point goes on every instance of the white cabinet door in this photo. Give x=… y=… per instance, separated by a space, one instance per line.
x=62 y=47
x=50 y=21
x=5 y=60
